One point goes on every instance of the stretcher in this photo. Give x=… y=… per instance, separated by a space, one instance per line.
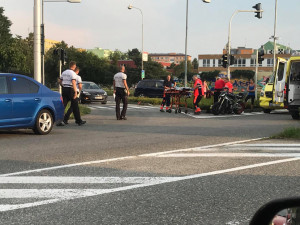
x=179 y=98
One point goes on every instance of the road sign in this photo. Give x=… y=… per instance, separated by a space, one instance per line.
x=143 y=74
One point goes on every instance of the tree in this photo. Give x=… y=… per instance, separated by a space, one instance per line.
x=92 y=68
x=179 y=70
x=118 y=55
x=16 y=54
x=6 y=39
x=210 y=76
x=5 y=24
x=238 y=74
x=136 y=56
x=195 y=64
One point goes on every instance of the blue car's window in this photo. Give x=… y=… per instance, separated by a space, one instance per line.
x=3 y=86
x=21 y=85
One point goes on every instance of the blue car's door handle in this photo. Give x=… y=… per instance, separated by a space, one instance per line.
x=37 y=99
x=8 y=100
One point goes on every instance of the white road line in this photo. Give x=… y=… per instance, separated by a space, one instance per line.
x=88 y=192
x=68 y=166
x=112 y=107
x=203 y=148
x=272 y=145
x=202 y=116
x=230 y=155
x=123 y=158
x=79 y=180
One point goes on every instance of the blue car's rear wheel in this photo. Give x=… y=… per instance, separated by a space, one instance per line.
x=43 y=123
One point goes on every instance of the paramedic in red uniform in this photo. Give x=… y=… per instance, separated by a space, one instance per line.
x=219 y=85
x=198 y=93
x=229 y=85
x=168 y=84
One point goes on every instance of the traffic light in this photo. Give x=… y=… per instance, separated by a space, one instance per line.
x=231 y=62
x=55 y=51
x=42 y=39
x=260 y=56
x=63 y=56
x=224 y=60
x=258 y=10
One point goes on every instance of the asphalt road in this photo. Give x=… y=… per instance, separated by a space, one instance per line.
x=154 y=168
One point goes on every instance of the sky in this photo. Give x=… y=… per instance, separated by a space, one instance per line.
x=109 y=24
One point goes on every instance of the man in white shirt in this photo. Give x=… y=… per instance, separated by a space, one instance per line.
x=69 y=91
x=121 y=92
x=79 y=88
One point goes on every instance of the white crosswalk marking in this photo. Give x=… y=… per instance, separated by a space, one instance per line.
x=211 y=116
x=130 y=107
x=14 y=196
x=241 y=150
x=37 y=197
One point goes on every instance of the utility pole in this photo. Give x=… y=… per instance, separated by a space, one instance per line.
x=186 y=34
x=275 y=38
x=37 y=41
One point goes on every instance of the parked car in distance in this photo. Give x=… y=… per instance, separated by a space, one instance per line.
x=26 y=103
x=92 y=92
x=150 y=88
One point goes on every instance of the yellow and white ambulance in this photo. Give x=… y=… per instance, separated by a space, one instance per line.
x=283 y=89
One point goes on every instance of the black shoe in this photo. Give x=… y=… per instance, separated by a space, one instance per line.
x=65 y=122
x=123 y=118
x=60 y=124
x=162 y=110
x=81 y=123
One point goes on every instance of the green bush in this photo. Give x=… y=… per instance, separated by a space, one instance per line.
x=204 y=104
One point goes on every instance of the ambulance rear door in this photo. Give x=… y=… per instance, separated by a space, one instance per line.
x=280 y=79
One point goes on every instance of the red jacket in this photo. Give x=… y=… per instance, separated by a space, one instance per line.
x=219 y=84
x=199 y=88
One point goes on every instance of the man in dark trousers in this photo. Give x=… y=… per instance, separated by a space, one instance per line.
x=219 y=85
x=79 y=88
x=198 y=93
x=69 y=92
x=121 y=92
x=168 y=83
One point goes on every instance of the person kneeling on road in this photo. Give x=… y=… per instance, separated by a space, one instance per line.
x=198 y=93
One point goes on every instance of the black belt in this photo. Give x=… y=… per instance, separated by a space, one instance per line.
x=67 y=86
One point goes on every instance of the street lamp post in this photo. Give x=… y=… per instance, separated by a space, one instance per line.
x=132 y=7
x=37 y=40
x=38 y=58
x=186 y=35
x=275 y=38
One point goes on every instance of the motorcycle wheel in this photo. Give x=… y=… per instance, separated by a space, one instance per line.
x=215 y=108
x=239 y=108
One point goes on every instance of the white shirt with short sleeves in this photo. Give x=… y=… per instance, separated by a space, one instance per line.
x=118 y=78
x=78 y=81
x=67 y=76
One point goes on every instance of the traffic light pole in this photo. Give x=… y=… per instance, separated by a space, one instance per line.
x=275 y=38
x=59 y=87
x=256 y=74
x=229 y=37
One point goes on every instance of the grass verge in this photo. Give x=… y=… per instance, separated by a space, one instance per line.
x=288 y=133
x=83 y=110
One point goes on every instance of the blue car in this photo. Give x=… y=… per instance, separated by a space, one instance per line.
x=26 y=103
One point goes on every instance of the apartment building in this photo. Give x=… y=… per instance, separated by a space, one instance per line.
x=168 y=58
x=245 y=59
